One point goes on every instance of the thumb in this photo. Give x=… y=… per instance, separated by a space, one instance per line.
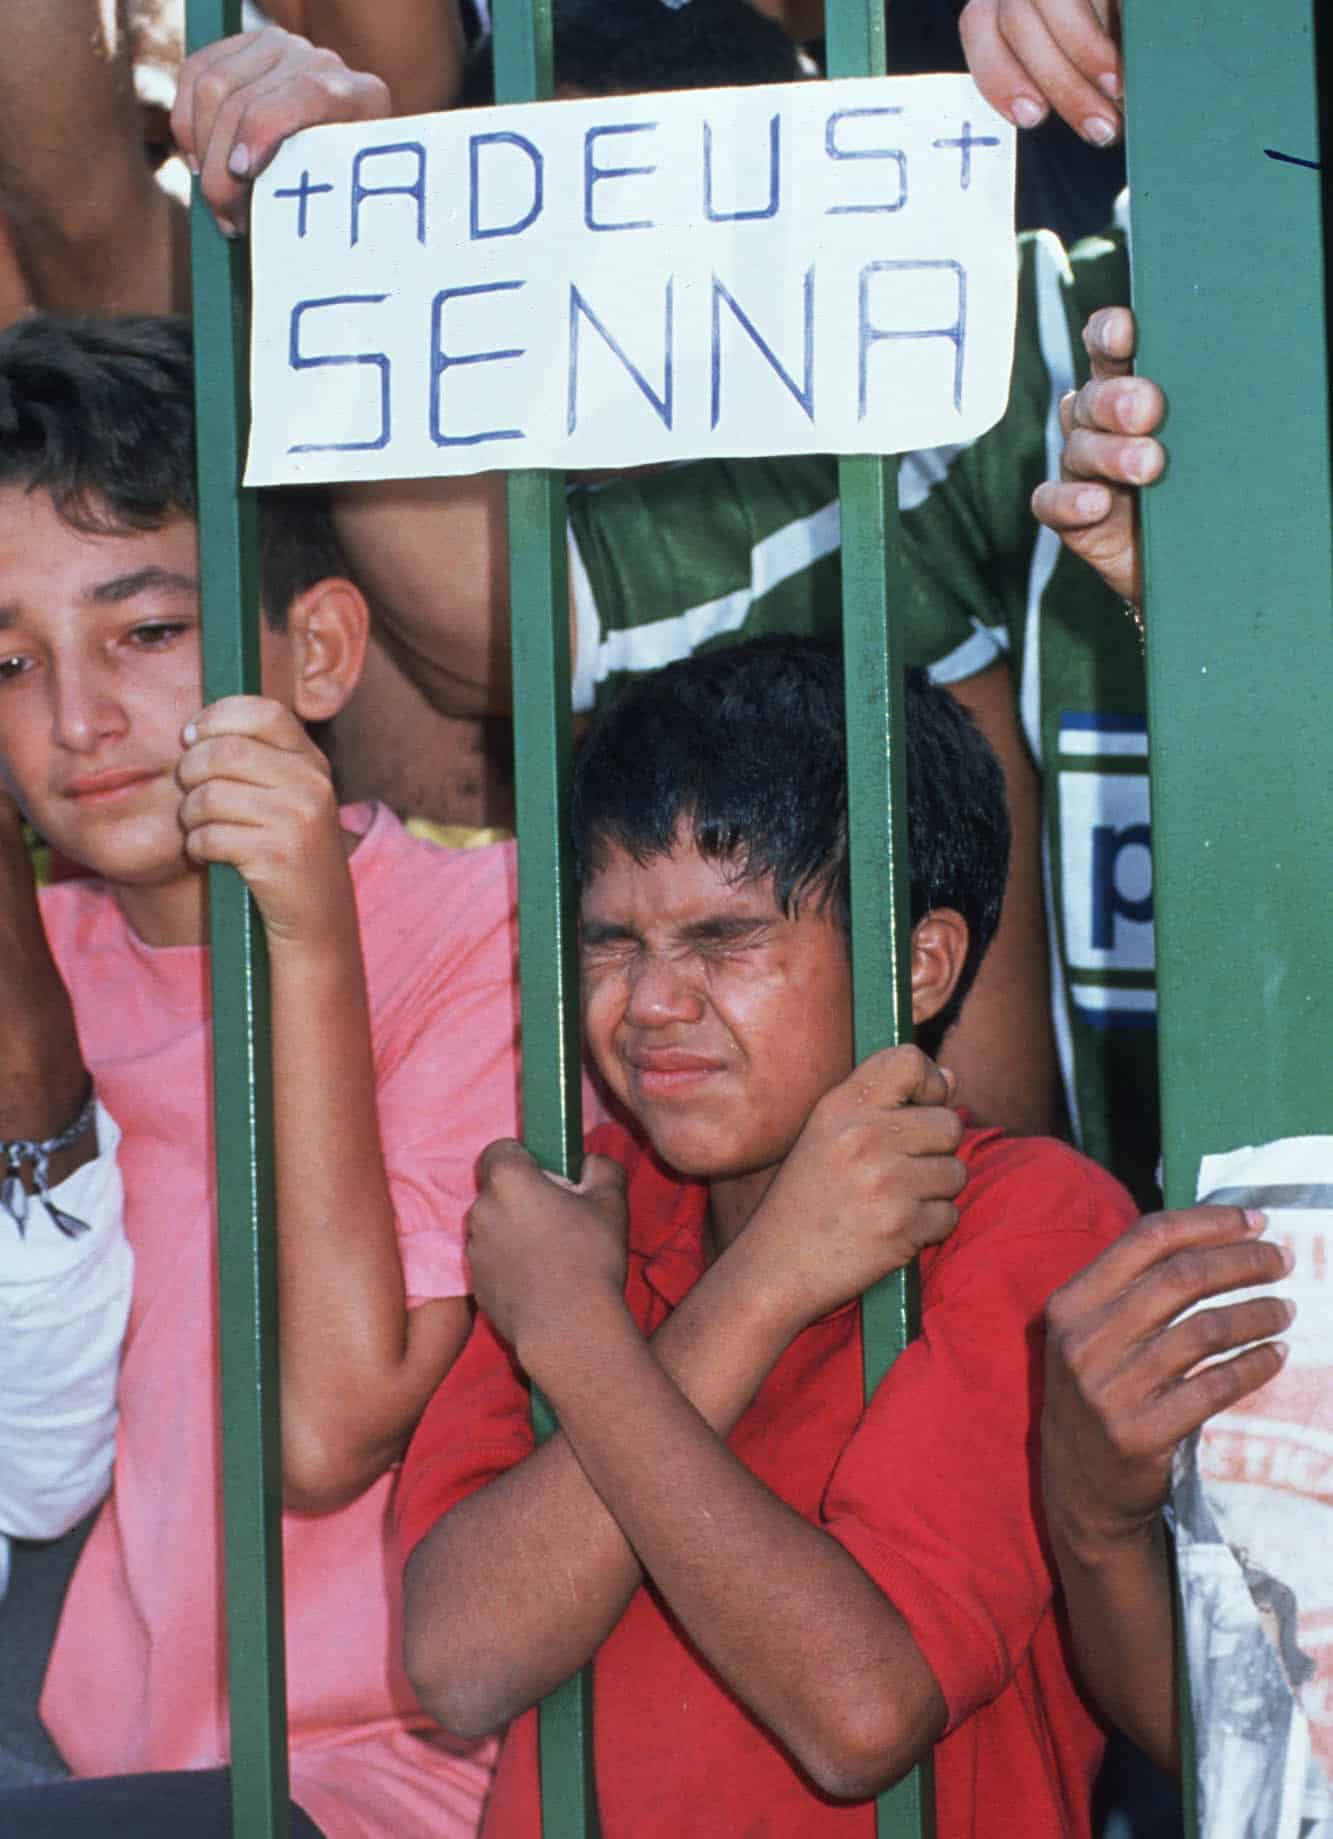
x=905 y=1076
x=602 y=1176
x=503 y=1153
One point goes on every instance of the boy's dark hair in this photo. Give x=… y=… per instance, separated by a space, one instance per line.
x=744 y=748
x=624 y=47
x=99 y=412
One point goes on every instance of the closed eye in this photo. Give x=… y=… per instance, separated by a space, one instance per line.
x=722 y=935
x=157 y=634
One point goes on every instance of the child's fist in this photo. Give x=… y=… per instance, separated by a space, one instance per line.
x=259 y=795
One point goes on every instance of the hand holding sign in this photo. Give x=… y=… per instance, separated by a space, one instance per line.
x=238 y=98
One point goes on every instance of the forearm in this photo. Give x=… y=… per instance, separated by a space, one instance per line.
x=43 y=1078
x=1121 y=1614
x=357 y=1365
x=519 y=1585
x=786 y=1616
x=415 y=46
x=64 y=1302
x=93 y=230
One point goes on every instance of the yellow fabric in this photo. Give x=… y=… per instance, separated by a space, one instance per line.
x=456 y=836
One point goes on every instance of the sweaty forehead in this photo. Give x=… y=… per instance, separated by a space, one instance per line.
x=680 y=883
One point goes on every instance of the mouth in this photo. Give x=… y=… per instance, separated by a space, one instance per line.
x=103 y=788
x=670 y=1073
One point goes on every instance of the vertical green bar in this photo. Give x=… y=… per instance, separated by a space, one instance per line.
x=243 y=1105
x=552 y=1125
x=1230 y=290
x=857 y=42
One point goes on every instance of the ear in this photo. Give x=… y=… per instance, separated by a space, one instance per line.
x=328 y=629
x=939 y=950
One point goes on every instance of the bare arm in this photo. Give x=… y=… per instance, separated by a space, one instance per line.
x=357 y=1364
x=93 y=231
x=1121 y=1392
x=42 y=1073
x=835 y=1675
x=415 y=46
x=1002 y=1048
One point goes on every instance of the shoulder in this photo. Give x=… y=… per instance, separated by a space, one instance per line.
x=1034 y=1183
x=1034 y=1212
x=407 y=886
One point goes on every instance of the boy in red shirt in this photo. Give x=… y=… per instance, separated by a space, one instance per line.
x=790 y=1598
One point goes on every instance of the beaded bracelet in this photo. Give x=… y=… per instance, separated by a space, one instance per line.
x=14 y=1195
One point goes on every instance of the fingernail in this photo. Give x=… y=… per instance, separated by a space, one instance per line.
x=1092 y=502
x=1110 y=85
x=1289 y=1309
x=1288 y=1259
x=1281 y=1349
x=193 y=164
x=238 y=162
x=1027 y=111
x=1255 y=1220
x=1100 y=131
x=190 y=734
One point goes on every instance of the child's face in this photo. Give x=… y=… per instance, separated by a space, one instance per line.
x=99 y=671
x=715 y=1019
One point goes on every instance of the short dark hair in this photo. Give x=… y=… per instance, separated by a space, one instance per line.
x=744 y=748
x=99 y=412
x=626 y=47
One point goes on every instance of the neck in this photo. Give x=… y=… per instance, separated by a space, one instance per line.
x=173 y=914
x=732 y=1204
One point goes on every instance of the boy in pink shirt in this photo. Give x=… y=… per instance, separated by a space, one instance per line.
x=394 y=1061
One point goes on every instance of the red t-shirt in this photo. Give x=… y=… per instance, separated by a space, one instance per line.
x=933 y=1489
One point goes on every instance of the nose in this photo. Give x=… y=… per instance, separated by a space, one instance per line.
x=85 y=707
x=662 y=990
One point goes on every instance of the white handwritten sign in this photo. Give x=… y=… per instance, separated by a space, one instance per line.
x=792 y=268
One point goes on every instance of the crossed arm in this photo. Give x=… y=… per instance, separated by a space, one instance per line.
x=778 y=1606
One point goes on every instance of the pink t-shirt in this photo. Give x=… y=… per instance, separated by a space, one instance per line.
x=137 y=1677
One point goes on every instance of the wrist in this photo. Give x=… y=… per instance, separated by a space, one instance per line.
x=1101 y=1540
x=774 y=1297
x=563 y=1342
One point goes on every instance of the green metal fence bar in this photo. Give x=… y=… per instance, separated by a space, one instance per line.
x=1230 y=289
x=552 y=1124
x=857 y=44
x=243 y=1106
